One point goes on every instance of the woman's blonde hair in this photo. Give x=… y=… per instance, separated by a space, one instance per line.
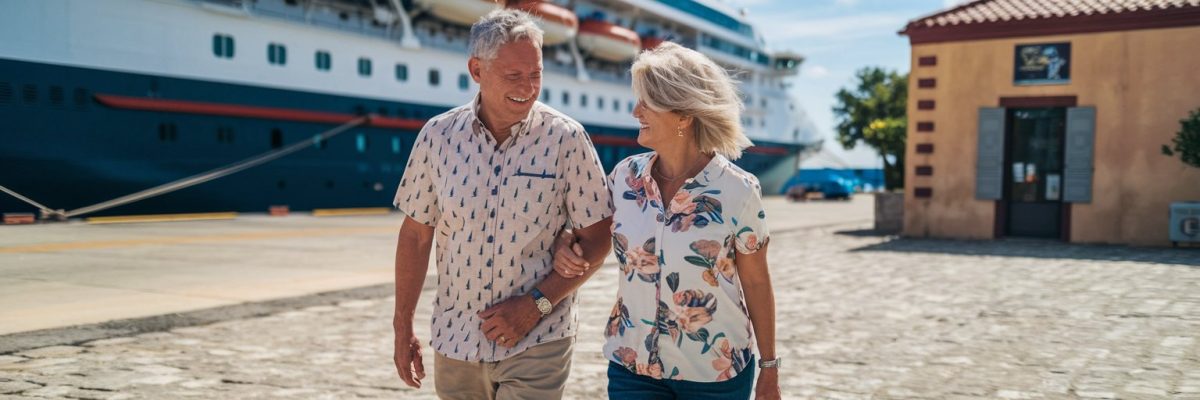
x=674 y=78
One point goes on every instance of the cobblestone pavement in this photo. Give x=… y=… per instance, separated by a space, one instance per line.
x=860 y=316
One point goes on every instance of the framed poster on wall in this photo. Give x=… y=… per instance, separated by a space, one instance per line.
x=1042 y=64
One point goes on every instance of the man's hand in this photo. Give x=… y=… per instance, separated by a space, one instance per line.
x=507 y=322
x=407 y=353
x=568 y=256
x=767 y=387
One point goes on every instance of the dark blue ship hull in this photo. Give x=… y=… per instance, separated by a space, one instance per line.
x=64 y=148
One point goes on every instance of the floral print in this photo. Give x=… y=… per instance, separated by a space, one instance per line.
x=681 y=313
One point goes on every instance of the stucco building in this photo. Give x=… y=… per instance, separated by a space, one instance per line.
x=1046 y=118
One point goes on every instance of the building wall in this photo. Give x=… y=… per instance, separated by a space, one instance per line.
x=1141 y=83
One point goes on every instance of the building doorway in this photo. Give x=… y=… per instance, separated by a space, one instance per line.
x=1033 y=173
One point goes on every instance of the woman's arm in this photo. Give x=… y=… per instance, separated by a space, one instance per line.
x=760 y=302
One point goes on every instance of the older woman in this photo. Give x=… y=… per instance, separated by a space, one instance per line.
x=690 y=235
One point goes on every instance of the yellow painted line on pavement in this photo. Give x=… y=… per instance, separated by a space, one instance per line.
x=125 y=219
x=341 y=212
x=176 y=240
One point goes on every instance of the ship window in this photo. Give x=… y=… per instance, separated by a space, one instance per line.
x=80 y=97
x=583 y=100
x=222 y=46
x=463 y=82
x=364 y=66
x=29 y=93
x=600 y=102
x=224 y=134
x=435 y=77
x=56 y=95
x=360 y=143
x=276 y=54
x=167 y=132
x=545 y=95
x=276 y=138
x=402 y=72
x=324 y=61
x=629 y=106
x=395 y=145
x=616 y=105
x=566 y=98
x=6 y=92
x=763 y=101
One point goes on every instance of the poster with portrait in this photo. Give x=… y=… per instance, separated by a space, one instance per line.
x=1041 y=64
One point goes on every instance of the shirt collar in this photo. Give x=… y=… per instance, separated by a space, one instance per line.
x=518 y=129
x=704 y=177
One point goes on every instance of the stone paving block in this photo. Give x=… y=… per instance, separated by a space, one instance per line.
x=858 y=317
x=52 y=351
x=16 y=386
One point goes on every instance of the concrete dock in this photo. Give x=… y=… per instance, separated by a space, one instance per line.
x=859 y=315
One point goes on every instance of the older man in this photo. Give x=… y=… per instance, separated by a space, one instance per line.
x=494 y=181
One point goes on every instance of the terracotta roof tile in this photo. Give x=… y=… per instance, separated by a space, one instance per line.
x=993 y=11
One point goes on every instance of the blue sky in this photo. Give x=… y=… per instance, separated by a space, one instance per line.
x=838 y=37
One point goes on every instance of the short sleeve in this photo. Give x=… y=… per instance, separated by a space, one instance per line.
x=750 y=224
x=587 y=196
x=417 y=197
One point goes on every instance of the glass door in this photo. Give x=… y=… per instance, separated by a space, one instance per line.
x=1034 y=171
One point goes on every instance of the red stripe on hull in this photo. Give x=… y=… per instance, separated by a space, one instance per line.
x=285 y=114
x=234 y=110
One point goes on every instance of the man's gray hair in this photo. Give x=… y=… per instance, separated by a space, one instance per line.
x=501 y=27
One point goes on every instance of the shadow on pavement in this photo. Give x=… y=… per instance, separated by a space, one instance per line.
x=1048 y=249
x=865 y=233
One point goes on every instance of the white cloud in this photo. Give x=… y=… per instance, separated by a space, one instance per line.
x=814 y=71
x=952 y=3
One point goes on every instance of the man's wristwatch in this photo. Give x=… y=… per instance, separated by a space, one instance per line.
x=770 y=363
x=543 y=304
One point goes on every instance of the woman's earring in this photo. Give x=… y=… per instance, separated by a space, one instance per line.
x=679 y=131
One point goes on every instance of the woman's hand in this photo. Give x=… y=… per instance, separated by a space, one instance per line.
x=568 y=256
x=767 y=387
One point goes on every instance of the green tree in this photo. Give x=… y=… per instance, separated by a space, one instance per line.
x=873 y=112
x=1187 y=140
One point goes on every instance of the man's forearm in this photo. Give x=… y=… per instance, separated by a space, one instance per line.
x=595 y=250
x=412 y=261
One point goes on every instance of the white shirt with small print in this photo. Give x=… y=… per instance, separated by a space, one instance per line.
x=495 y=213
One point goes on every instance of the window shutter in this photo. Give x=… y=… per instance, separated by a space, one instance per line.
x=1080 y=149
x=989 y=167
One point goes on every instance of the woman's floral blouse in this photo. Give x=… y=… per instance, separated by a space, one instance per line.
x=680 y=313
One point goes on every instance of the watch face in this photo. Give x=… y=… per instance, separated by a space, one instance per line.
x=543 y=305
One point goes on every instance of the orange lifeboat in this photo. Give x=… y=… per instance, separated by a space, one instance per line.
x=465 y=12
x=606 y=41
x=558 y=23
x=650 y=42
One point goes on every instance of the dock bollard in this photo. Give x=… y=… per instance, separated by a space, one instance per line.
x=18 y=218
x=278 y=211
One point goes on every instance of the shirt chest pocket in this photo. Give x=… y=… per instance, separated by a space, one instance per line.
x=533 y=200
x=461 y=202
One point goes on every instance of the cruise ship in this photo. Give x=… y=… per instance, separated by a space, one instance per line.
x=316 y=103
